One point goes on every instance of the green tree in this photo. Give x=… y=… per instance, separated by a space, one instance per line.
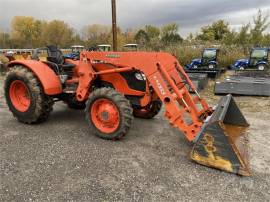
x=77 y=40
x=153 y=34
x=266 y=40
x=142 y=38
x=243 y=38
x=261 y=23
x=152 y=31
x=207 y=34
x=221 y=28
x=59 y=33
x=97 y=34
x=5 y=41
x=215 y=32
x=190 y=38
x=230 y=38
x=25 y=31
x=169 y=34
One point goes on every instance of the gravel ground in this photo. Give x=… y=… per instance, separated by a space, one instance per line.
x=61 y=160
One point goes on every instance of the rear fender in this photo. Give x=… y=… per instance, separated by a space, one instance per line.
x=262 y=63
x=48 y=79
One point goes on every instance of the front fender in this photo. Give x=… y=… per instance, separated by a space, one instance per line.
x=188 y=66
x=196 y=61
x=48 y=79
x=213 y=63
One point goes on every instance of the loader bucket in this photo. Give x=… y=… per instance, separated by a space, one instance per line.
x=223 y=142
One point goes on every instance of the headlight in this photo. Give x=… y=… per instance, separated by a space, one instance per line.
x=140 y=76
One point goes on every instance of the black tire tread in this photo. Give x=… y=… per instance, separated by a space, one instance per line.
x=43 y=104
x=123 y=105
x=266 y=67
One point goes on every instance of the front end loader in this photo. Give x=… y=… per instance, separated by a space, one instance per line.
x=112 y=87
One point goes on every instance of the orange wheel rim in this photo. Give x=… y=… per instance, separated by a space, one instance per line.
x=19 y=95
x=105 y=115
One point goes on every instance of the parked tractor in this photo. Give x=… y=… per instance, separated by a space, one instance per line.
x=208 y=61
x=101 y=48
x=258 y=60
x=113 y=87
x=10 y=54
x=130 y=47
x=75 y=52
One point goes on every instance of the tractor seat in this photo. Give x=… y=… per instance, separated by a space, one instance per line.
x=55 y=55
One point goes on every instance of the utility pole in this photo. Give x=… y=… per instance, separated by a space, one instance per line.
x=114 y=26
x=4 y=40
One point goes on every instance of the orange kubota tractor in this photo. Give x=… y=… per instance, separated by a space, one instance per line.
x=113 y=87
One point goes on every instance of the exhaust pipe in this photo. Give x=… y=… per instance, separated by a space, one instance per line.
x=223 y=141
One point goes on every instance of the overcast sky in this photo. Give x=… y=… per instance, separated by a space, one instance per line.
x=189 y=14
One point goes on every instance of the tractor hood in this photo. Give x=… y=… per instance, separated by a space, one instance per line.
x=240 y=63
x=197 y=60
x=194 y=62
x=242 y=60
x=71 y=55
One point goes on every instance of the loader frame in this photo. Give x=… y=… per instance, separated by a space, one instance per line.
x=163 y=73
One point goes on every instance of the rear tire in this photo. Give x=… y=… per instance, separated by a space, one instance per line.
x=149 y=111
x=108 y=113
x=262 y=67
x=25 y=97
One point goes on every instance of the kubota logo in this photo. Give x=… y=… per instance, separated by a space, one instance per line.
x=113 y=55
x=161 y=89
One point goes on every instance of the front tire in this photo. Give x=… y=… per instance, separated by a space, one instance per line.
x=108 y=113
x=241 y=68
x=211 y=66
x=25 y=97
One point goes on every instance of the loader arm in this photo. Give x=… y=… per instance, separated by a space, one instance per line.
x=219 y=136
x=168 y=79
